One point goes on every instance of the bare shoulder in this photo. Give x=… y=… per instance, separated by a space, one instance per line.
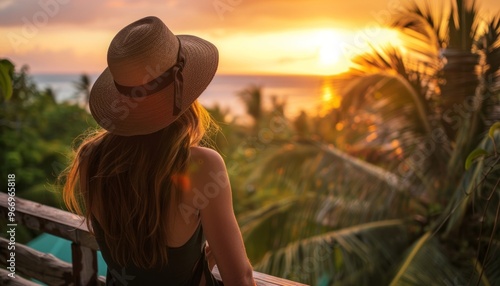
x=208 y=177
x=205 y=159
x=205 y=166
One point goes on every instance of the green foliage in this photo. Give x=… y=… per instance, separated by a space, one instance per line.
x=416 y=119
x=373 y=193
x=36 y=136
x=6 y=72
x=425 y=263
x=473 y=156
x=82 y=87
x=351 y=256
x=493 y=128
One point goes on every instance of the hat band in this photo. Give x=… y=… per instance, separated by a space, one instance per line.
x=172 y=75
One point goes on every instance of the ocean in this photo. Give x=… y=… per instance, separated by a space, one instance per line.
x=306 y=93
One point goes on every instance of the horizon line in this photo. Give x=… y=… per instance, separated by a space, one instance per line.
x=217 y=74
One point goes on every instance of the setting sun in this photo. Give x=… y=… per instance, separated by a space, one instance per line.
x=328 y=54
x=329 y=49
x=305 y=52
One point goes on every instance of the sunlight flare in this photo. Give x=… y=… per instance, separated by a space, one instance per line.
x=329 y=52
x=331 y=99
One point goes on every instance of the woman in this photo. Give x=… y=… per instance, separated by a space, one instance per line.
x=149 y=193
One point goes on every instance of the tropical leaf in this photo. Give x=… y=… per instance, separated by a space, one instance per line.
x=491 y=270
x=422 y=108
x=300 y=168
x=279 y=223
x=473 y=156
x=390 y=92
x=403 y=121
x=488 y=46
x=493 y=128
x=442 y=24
x=478 y=270
x=358 y=255
x=319 y=193
x=427 y=263
x=284 y=163
x=463 y=25
x=473 y=184
x=418 y=37
x=6 y=74
x=378 y=173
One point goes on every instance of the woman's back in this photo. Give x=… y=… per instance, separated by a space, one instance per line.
x=185 y=268
x=150 y=194
x=205 y=198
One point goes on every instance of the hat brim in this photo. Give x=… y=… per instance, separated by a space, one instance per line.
x=128 y=116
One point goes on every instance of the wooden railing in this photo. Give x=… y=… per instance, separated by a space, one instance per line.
x=52 y=271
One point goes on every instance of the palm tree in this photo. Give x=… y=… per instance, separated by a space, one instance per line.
x=82 y=87
x=422 y=219
x=252 y=98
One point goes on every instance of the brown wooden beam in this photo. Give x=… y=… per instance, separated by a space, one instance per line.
x=18 y=281
x=50 y=220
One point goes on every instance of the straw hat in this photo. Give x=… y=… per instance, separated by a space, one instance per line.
x=152 y=77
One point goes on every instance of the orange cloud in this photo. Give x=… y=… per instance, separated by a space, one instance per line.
x=249 y=33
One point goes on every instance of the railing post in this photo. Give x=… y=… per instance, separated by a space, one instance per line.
x=84 y=265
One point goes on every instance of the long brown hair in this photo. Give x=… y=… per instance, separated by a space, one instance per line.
x=127 y=184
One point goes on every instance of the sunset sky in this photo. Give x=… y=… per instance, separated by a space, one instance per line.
x=253 y=36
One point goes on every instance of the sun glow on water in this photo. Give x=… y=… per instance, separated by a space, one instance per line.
x=334 y=99
x=330 y=99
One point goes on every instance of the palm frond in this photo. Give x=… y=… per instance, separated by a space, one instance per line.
x=391 y=179
x=424 y=21
x=492 y=267
x=463 y=25
x=460 y=201
x=303 y=160
x=403 y=114
x=281 y=162
x=302 y=167
x=474 y=187
x=490 y=43
x=325 y=189
x=480 y=271
x=426 y=263
x=358 y=255
x=392 y=92
x=383 y=83
x=489 y=47
x=418 y=38
x=279 y=223
x=380 y=59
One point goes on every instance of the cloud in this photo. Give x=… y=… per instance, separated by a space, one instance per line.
x=217 y=15
x=57 y=11
x=60 y=61
x=221 y=15
x=102 y=13
x=65 y=29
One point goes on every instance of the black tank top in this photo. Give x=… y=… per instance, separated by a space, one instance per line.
x=185 y=265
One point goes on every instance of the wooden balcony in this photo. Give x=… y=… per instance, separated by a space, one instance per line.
x=46 y=268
